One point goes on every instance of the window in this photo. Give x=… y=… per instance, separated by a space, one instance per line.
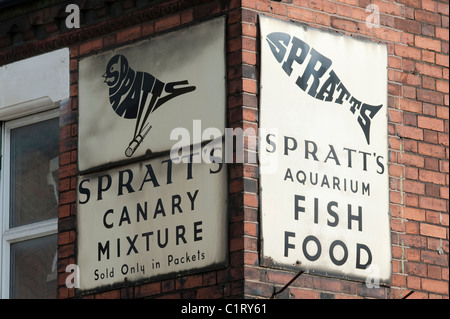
x=29 y=205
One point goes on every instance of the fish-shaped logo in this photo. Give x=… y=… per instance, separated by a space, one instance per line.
x=318 y=79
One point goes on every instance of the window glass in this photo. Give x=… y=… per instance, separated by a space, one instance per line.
x=34 y=173
x=33 y=268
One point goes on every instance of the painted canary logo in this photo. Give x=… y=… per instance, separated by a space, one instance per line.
x=136 y=95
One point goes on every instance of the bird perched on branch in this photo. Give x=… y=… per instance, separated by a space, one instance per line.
x=137 y=94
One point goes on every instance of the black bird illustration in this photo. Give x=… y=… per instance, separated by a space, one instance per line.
x=136 y=95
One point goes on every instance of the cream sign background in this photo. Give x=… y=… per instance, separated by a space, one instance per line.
x=178 y=77
x=140 y=217
x=324 y=101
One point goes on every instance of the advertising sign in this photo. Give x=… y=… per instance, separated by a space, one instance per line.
x=151 y=219
x=131 y=98
x=144 y=212
x=325 y=208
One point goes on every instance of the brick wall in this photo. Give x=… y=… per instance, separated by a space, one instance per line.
x=416 y=33
x=417 y=36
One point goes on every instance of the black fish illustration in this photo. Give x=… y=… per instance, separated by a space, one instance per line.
x=137 y=94
x=288 y=49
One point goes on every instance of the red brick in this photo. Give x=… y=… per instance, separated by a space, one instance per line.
x=407 y=25
x=188 y=282
x=430 y=123
x=129 y=34
x=410 y=132
x=428 y=17
x=90 y=46
x=428 y=56
x=442 y=60
x=432 y=177
x=411 y=105
x=442 y=86
x=414 y=213
x=431 y=150
x=442 y=33
x=330 y=7
x=413 y=187
x=440 y=287
x=213 y=292
x=279 y=8
x=410 y=159
x=257 y=4
x=387 y=34
x=167 y=22
x=428 y=83
x=432 y=203
x=429 y=70
x=407 y=52
x=301 y=14
x=409 y=92
x=249 y=30
x=298 y=293
x=407 y=78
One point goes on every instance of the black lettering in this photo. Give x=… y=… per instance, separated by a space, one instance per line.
x=288 y=175
x=305 y=251
x=198 y=231
x=286 y=144
x=271 y=143
x=287 y=245
x=159 y=209
x=102 y=188
x=333 y=214
x=294 y=55
x=364 y=159
x=380 y=165
x=169 y=170
x=358 y=256
x=141 y=212
x=176 y=201
x=160 y=244
x=278 y=43
x=311 y=71
x=125 y=217
x=364 y=118
x=332 y=155
x=328 y=87
x=344 y=93
x=344 y=258
x=357 y=218
x=192 y=198
x=316 y=210
x=110 y=211
x=127 y=184
x=349 y=158
x=84 y=191
x=308 y=152
x=355 y=103
x=298 y=208
x=102 y=250
x=149 y=177
x=132 y=245
x=180 y=230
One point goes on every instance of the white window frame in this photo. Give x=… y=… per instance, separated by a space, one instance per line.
x=8 y=235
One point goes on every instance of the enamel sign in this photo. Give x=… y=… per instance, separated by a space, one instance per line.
x=145 y=212
x=325 y=198
x=131 y=98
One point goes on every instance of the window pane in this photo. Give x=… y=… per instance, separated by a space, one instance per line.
x=34 y=172
x=33 y=268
